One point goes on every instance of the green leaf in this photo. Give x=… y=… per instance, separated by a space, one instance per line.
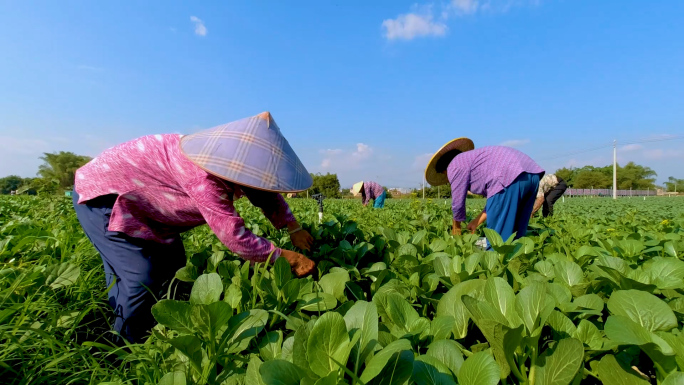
x=317 y=302
x=441 y=327
x=363 y=318
x=589 y=303
x=187 y=273
x=173 y=378
x=428 y=370
x=676 y=378
x=479 y=369
x=242 y=328
x=206 y=289
x=569 y=273
x=561 y=325
x=334 y=284
x=174 y=315
x=270 y=346
x=438 y=245
x=624 y=331
x=391 y=362
x=208 y=319
x=611 y=372
x=500 y=295
x=291 y=291
x=448 y=353
x=62 y=275
x=643 y=308
x=299 y=348
x=396 y=310
x=669 y=249
x=191 y=347
x=529 y=304
x=253 y=376
x=328 y=342
x=280 y=372
x=589 y=334
x=493 y=237
x=559 y=365
x=451 y=305
x=282 y=272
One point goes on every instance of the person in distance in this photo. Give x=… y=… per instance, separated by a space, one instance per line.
x=135 y=199
x=551 y=188
x=370 y=190
x=508 y=179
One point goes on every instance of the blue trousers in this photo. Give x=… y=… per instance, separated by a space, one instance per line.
x=509 y=210
x=380 y=201
x=137 y=271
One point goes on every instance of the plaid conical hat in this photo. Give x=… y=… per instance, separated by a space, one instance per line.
x=431 y=175
x=251 y=152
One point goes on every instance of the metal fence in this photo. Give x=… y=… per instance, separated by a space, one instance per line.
x=606 y=192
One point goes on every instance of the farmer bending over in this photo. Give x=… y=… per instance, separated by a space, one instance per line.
x=370 y=190
x=507 y=177
x=551 y=188
x=135 y=199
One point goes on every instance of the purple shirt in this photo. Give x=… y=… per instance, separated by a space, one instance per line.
x=485 y=171
x=371 y=190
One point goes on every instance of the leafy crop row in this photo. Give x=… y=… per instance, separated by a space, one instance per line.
x=594 y=295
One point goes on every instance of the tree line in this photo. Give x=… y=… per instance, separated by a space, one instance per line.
x=56 y=174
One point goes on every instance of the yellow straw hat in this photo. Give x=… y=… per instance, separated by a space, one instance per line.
x=356 y=188
x=431 y=174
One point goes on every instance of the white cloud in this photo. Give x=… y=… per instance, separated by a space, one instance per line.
x=346 y=160
x=631 y=147
x=363 y=151
x=200 y=28
x=331 y=151
x=514 y=142
x=464 y=6
x=659 y=154
x=424 y=22
x=411 y=25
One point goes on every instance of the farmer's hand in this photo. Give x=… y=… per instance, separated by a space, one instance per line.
x=302 y=239
x=300 y=264
x=472 y=226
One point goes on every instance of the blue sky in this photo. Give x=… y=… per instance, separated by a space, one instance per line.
x=366 y=89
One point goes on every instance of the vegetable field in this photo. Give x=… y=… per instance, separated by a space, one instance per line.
x=593 y=295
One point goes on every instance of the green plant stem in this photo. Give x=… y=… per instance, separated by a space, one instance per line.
x=533 y=368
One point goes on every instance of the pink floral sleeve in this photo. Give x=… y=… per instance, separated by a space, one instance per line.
x=215 y=204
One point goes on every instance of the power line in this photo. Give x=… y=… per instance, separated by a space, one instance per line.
x=673 y=137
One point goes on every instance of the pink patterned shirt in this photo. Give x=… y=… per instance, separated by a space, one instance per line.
x=161 y=194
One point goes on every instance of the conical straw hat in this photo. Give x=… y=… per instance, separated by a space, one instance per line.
x=356 y=188
x=431 y=175
x=251 y=152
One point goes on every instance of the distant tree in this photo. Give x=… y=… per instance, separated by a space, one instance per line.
x=10 y=183
x=61 y=167
x=591 y=179
x=635 y=177
x=327 y=184
x=674 y=184
x=388 y=194
x=567 y=174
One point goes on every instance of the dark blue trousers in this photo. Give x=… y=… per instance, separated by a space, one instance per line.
x=137 y=271
x=509 y=210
